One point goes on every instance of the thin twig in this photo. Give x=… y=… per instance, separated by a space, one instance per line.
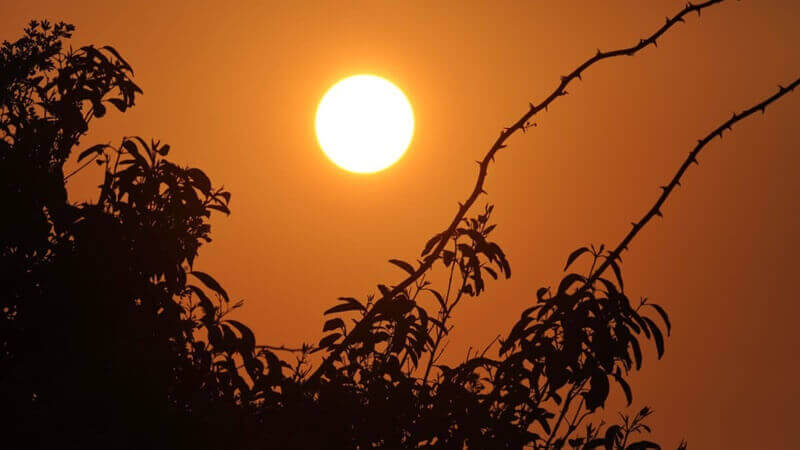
x=489 y=345
x=520 y=124
x=284 y=348
x=83 y=166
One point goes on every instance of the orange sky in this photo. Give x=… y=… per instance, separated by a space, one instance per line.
x=233 y=87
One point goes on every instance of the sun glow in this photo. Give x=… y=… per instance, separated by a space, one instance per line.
x=364 y=123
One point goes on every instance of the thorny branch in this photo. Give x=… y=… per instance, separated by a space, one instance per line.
x=521 y=124
x=655 y=210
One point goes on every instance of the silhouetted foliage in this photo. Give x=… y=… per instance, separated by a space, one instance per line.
x=111 y=339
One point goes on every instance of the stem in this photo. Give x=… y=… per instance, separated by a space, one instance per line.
x=446 y=315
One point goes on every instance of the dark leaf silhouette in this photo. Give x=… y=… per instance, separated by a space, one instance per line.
x=212 y=284
x=574 y=255
x=403 y=265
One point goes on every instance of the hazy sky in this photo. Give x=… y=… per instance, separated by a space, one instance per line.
x=233 y=87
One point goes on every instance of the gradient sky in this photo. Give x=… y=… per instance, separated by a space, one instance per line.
x=233 y=87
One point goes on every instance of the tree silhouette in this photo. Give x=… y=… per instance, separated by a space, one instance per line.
x=111 y=339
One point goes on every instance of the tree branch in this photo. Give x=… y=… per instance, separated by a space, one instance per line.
x=655 y=210
x=520 y=124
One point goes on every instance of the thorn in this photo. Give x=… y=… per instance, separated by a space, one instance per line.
x=599 y=53
x=664 y=188
x=655 y=44
x=479 y=163
x=658 y=213
x=667 y=18
x=680 y=19
x=501 y=146
x=761 y=107
x=692 y=159
x=781 y=89
x=563 y=78
x=634 y=224
x=677 y=183
x=532 y=105
x=579 y=76
x=484 y=192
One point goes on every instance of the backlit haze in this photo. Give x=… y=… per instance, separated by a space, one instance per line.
x=233 y=87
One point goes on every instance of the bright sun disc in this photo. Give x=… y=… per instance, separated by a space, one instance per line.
x=364 y=123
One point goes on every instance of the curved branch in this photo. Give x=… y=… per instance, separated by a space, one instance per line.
x=655 y=210
x=520 y=124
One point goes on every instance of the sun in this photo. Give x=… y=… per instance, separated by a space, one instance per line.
x=364 y=123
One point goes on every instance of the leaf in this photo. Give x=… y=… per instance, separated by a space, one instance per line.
x=595 y=443
x=214 y=336
x=332 y=324
x=663 y=315
x=439 y=298
x=247 y=335
x=637 y=352
x=643 y=445
x=431 y=242
x=568 y=281
x=657 y=336
x=574 y=255
x=343 y=307
x=211 y=283
x=598 y=392
x=130 y=146
x=448 y=257
x=117 y=55
x=617 y=273
x=93 y=149
x=540 y=294
x=328 y=340
x=200 y=179
x=118 y=103
x=613 y=433
x=624 y=385
x=403 y=265
x=222 y=208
